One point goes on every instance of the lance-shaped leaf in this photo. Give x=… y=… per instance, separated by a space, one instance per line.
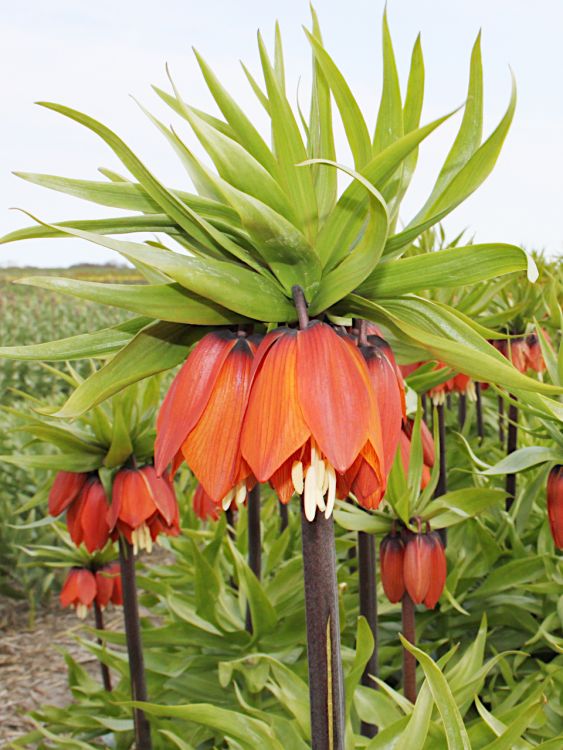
x=389 y=125
x=450 y=268
x=455 y=507
x=363 y=258
x=320 y=143
x=84 y=346
x=525 y=458
x=411 y=119
x=346 y=221
x=228 y=284
x=157 y=348
x=162 y=301
x=77 y=462
x=290 y=150
x=447 y=337
x=352 y=118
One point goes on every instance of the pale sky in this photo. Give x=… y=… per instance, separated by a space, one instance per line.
x=92 y=55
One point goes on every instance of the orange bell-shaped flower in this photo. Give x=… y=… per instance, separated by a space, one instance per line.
x=555 y=504
x=65 y=490
x=391 y=560
x=418 y=566
x=143 y=506
x=201 y=416
x=79 y=591
x=311 y=413
x=86 y=516
x=438 y=570
x=108 y=585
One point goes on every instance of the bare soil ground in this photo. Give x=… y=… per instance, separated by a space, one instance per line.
x=32 y=667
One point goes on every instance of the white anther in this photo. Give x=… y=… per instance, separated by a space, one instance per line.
x=297 y=477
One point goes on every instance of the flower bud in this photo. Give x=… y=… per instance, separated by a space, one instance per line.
x=417 y=566
x=438 y=570
x=391 y=556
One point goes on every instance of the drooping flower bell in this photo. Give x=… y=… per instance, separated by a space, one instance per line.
x=204 y=507
x=391 y=560
x=311 y=414
x=143 y=506
x=461 y=383
x=534 y=353
x=555 y=504
x=424 y=568
x=108 y=585
x=516 y=350
x=201 y=416
x=85 y=501
x=79 y=591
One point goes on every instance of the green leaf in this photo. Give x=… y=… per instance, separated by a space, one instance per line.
x=525 y=458
x=264 y=617
x=229 y=284
x=156 y=348
x=121 y=446
x=289 y=151
x=78 y=462
x=351 y=114
x=455 y=507
x=169 y=302
x=362 y=259
x=389 y=126
x=454 y=728
x=96 y=344
x=450 y=268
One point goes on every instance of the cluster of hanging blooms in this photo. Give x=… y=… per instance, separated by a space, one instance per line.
x=143 y=506
x=83 y=587
x=413 y=563
x=300 y=409
x=85 y=501
x=555 y=504
x=524 y=352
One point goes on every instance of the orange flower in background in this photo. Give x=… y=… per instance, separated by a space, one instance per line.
x=204 y=507
x=461 y=383
x=555 y=504
x=79 y=591
x=143 y=506
x=201 y=416
x=534 y=353
x=311 y=414
x=516 y=350
x=86 y=516
x=65 y=490
x=108 y=585
x=392 y=558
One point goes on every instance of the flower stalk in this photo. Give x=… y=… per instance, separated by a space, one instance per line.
x=479 y=411
x=254 y=541
x=99 y=618
x=284 y=517
x=143 y=739
x=511 y=446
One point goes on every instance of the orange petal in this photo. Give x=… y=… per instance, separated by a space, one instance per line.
x=555 y=504
x=65 y=489
x=135 y=503
x=163 y=493
x=391 y=557
x=417 y=567
x=438 y=571
x=212 y=449
x=104 y=587
x=204 y=507
x=93 y=517
x=189 y=393
x=273 y=427
x=333 y=392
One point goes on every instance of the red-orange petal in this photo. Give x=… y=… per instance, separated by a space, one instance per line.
x=438 y=570
x=555 y=504
x=163 y=494
x=203 y=505
x=212 y=449
x=391 y=558
x=93 y=517
x=79 y=588
x=132 y=500
x=104 y=587
x=189 y=393
x=65 y=489
x=417 y=567
x=333 y=394
x=273 y=427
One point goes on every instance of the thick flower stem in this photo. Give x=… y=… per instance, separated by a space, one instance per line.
x=254 y=541
x=230 y=514
x=326 y=683
x=99 y=617
x=134 y=646
x=479 y=410
x=284 y=517
x=501 y=420
x=368 y=608
x=409 y=661
x=511 y=446
x=462 y=410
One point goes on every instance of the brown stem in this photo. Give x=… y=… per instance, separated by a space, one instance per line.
x=368 y=609
x=230 y=522
x=284 y=517
x=300 y=306
x=479 y=410
x=326 y=683
x=134 y=645
x=99 y=617
x=254 y=541
x=511 y=446
x=424 y=402
x=409 y=661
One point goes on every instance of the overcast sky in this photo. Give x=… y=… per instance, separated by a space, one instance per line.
x=92 y=55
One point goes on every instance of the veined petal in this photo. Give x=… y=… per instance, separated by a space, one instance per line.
x=203 y=505
x=438 y=571
x=417 y=567
x=212 y=449
x=273 y=427
x=104 y=587
x=162 y=492
x=136 y=503
x=333 y=394
x=65 y=489
x=93 y=517
x=189 y=393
